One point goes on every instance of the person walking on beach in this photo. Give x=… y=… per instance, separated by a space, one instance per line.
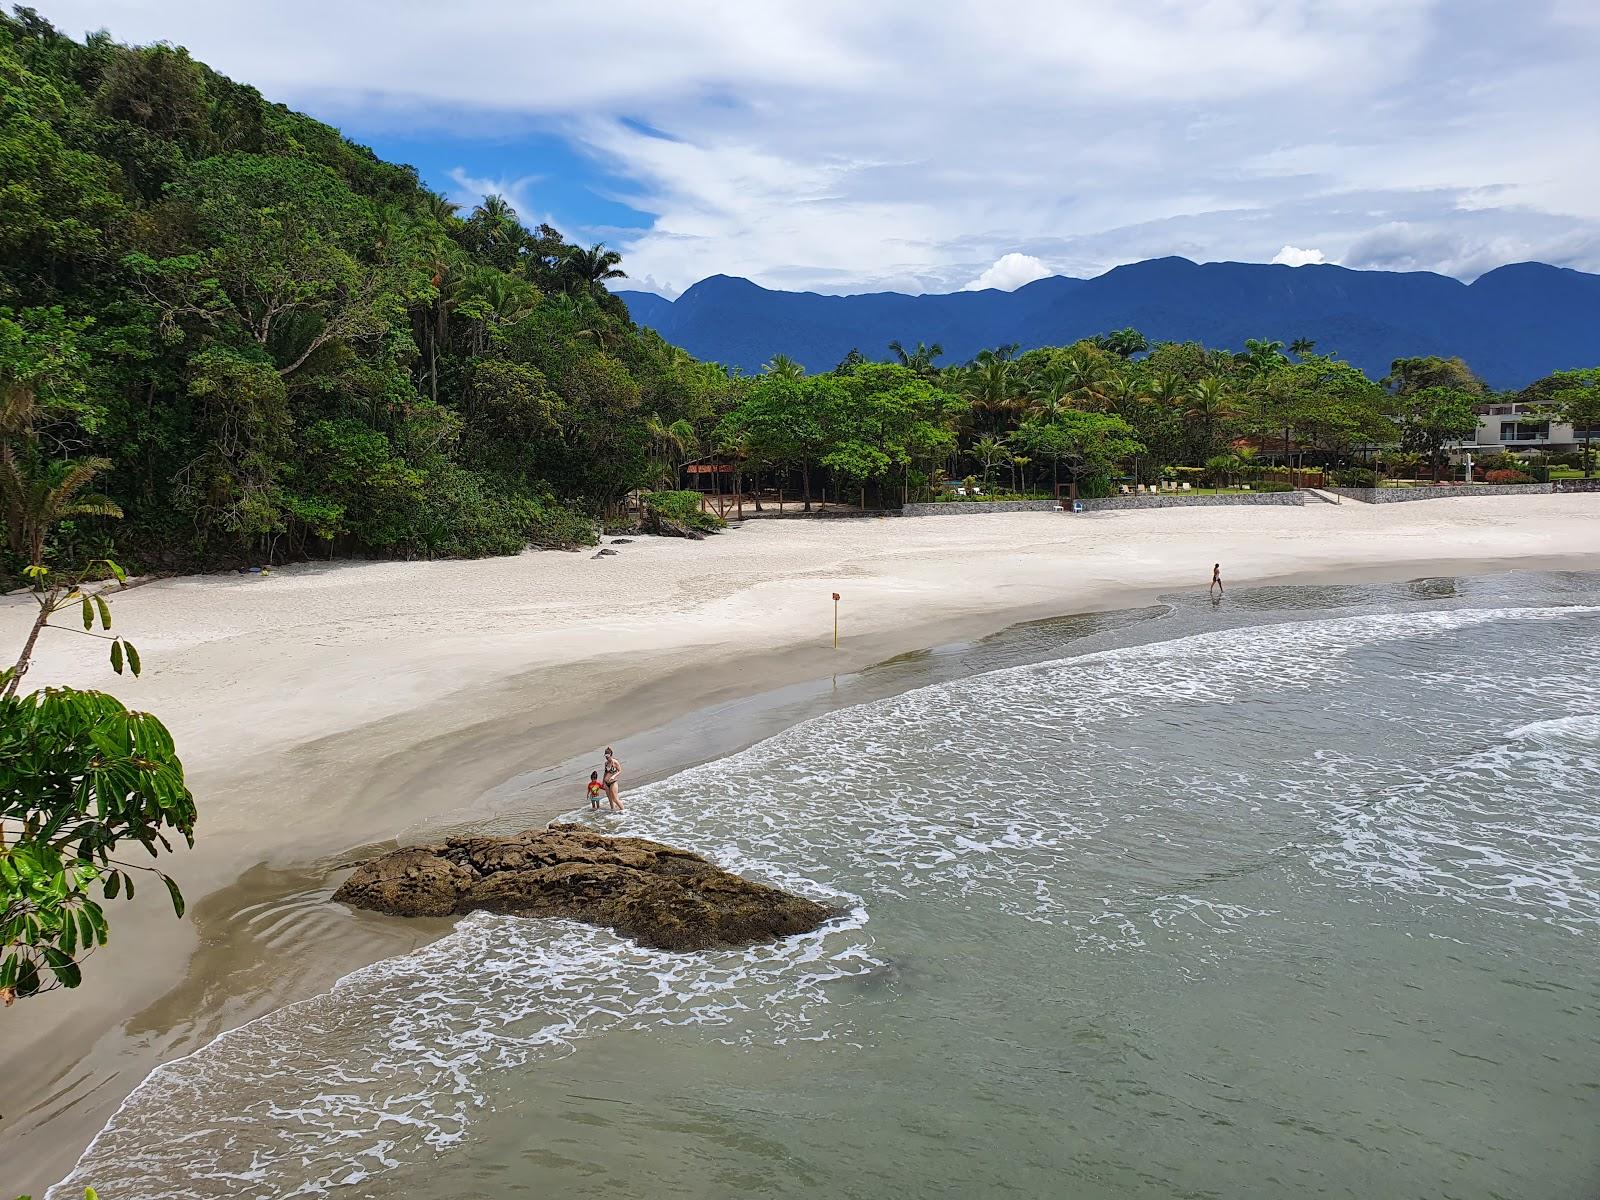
x=596 y=790
x=608 y=780
x=1216 y=579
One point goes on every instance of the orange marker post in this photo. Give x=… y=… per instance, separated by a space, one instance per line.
x=836 y=620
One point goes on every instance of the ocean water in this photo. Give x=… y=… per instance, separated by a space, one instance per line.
x=1296 y=895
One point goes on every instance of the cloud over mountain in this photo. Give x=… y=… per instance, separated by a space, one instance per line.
x=827 y=145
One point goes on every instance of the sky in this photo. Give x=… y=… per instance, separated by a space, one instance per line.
x=842 y=146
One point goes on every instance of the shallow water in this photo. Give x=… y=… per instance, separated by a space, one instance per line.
x=1298 y=895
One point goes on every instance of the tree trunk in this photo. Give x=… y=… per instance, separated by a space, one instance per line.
x=23 y=659
x=805 y=480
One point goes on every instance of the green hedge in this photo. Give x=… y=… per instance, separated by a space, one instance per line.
x=684 y=508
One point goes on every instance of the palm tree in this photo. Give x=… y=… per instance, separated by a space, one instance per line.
x=500 y=299
x=670 y=446
x=1167 y=390
x=920 y=360
x=1221 y=468
x=784 y=367
x=1260 y=356
x=1301 y=347
x=1086 y=379
x=34 y=505
x=1124 y=343
x=990 y=384
x=1209 y=403
x=500 y=234
x=495 y=210
x=591 y=267
x=1124 y=393
x=1049 y=393
x=441 y=210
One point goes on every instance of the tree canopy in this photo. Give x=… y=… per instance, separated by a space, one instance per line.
x=281 y=344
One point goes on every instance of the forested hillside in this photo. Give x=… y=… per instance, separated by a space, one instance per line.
x=255 y=338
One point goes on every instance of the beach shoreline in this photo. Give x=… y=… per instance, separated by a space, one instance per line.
x=327 y=710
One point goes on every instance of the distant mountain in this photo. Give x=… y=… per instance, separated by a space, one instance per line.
x=1513 y=325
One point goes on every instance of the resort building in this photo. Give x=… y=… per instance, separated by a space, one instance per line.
x=1520 y=428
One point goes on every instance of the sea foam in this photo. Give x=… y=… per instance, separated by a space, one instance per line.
x=1120 y=798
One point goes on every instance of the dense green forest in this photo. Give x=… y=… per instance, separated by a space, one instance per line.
x=269 y=341
x=252 y=339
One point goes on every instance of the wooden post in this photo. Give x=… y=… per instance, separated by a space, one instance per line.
x=836 y=620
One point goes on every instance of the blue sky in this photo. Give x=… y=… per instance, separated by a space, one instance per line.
x=840 y=146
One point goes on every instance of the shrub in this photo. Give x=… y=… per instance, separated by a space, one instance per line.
x=1094 y=487
x=1506 y=477
x=555 y=527
x=1356 y=477
x=1498 y=462
x=989 y=497
x=462 y=517
x=684 y=508
x=1272 y=485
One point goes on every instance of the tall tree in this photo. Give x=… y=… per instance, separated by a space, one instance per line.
x=1574 y=397
x=1260 y=356
x=782 y=366
x=1124 y=343
x=993 y=387
x=592 y=267
x=1209 y=405
x=1433 y=418
x=1090 y=444
x=923 y=360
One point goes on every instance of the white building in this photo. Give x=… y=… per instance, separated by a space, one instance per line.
x=1520 y=428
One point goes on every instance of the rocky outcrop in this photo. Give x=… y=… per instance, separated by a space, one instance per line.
x=657 y=895
x=654 y=523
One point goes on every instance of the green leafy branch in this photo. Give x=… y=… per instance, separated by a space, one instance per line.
x=56 y=598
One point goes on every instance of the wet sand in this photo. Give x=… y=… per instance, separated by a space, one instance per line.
x=324 y=710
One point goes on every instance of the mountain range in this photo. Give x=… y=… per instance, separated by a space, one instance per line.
x=1513 y=324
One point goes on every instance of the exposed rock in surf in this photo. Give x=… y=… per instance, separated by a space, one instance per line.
x=657 y=895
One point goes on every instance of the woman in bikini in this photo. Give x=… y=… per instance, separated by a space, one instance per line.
x=608 y=780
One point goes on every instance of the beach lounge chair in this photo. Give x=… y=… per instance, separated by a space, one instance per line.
x=1186 y=486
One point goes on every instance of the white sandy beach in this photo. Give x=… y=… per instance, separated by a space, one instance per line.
x=322 y=707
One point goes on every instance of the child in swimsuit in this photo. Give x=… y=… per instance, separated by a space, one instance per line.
x=596 y=790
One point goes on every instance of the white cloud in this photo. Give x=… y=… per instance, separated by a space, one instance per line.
x=1009 y=272
x=469 y=191
x=1466 y=249
x=1294 y=256
x=822 y=145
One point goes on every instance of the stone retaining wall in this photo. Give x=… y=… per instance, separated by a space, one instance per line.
x=967 y=508
x=1179 y=500
x=1576 y=485
x=1398 y=495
